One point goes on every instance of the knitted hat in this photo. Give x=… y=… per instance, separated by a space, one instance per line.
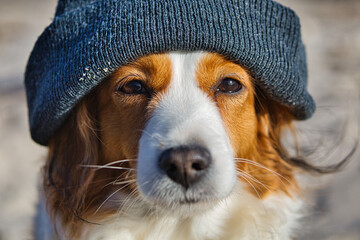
x=89 y=39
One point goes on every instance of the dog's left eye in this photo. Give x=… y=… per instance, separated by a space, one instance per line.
x=229 y=85
x=132 y=87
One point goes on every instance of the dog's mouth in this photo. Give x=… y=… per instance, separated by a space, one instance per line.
x=189 y=201
x=182 y=205
x=170 y=195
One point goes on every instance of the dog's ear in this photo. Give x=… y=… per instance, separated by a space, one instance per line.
x=272 y=116
x=74 y=145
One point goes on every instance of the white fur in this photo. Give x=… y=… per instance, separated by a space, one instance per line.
x=240 y=216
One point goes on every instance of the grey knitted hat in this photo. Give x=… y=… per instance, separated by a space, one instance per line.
x=88 y=39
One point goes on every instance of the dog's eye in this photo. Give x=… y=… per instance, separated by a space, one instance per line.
x=229 y=85
x=132 y=87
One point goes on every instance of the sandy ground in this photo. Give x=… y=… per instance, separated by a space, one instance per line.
x=332 y=35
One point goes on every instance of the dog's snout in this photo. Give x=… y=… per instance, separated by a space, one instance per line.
x=185 y=164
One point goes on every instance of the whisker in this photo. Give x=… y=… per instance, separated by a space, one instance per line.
x=241 y=173
x=102 y=204
x=119 y=180
x=243 y=160
x=122 y=182
x=255 y=180
x=129 y=197
x=128 y=174
x=257 y=193
x=121 y=161
x=107 y=167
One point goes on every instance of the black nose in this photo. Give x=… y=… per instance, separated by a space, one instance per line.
x=185 y=164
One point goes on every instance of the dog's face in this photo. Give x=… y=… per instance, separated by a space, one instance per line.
x=172 y=131
x=184 y=117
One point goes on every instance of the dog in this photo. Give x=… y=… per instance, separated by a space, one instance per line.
x=178 y=145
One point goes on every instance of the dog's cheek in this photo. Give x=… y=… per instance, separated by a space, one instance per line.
x=121 y=125
x=240 y=122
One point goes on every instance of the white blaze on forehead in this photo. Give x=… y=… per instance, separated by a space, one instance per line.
x=185 y=115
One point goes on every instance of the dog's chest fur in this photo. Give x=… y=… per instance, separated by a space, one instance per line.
x=239 y=217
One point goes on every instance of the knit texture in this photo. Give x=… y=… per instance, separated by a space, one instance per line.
x=89 y=39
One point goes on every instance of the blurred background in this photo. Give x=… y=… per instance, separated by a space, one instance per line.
x=331 y=32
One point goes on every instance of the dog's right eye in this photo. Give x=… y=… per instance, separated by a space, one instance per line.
x=229 y=85
x=132 y=87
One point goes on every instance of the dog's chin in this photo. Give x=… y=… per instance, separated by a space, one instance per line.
x=184 y=203
x=182 y=207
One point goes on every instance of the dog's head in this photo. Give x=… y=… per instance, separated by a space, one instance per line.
x=173 y=132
